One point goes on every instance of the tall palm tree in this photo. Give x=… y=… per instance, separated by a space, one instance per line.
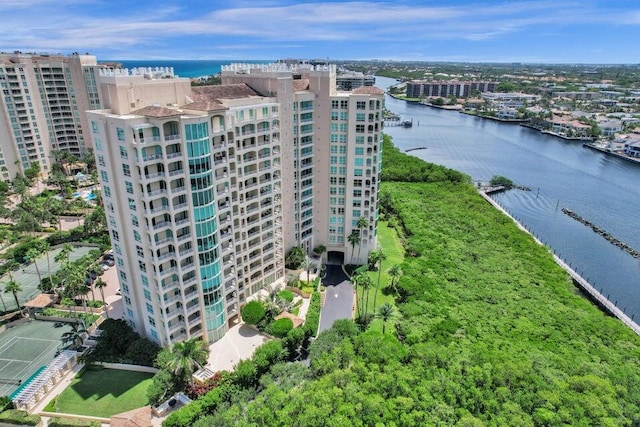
x=100 y=285
x=365 y=283
x=13 y=287
x=378 y=257
x=75 y=336
x=32 y=255
x=385 y=313
x=187 y=356
x=395 y=272
x=46 y=247
x=362 y=223
x=307 y=265
x=354 y=240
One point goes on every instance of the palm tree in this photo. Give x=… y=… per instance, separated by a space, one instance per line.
x=395 y=272
x=362 y=223
x=353 y=239
x=32 y=255
x=356 y=279
x=187 y=356
x=100 y=285
x=365 y=283
x=13 y=287
x=75 y=336
x=45 y=247
x=307 y=265
x=378 y=257
x=385 y=313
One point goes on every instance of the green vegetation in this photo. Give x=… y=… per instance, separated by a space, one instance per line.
x=286 y=295
x=253 y=312
x=15 y=416
x=312 y=320
x=104 y=392
x=491 y=332
x=118 y=343
x=72 y=422
x=501 y=180
x=281 y=327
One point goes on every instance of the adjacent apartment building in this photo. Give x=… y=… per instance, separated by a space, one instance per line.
x=44 y=98
x=441 y=88
x=206 y=188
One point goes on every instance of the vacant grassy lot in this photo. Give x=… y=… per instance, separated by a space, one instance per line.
x=103 y=393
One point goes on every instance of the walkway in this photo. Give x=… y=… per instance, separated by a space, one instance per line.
x=340 y=297
x=239 y=343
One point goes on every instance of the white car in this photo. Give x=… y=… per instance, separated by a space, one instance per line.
x=105 y=267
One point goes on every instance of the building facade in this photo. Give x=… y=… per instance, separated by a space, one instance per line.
x=206 y=188
x=438 y=88
x=192 y=190
x=332 y=142
x=43 y=103
x=350 y=81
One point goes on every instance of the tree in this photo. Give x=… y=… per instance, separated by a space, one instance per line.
x=294 y=258
x=13 y=287
x=353 y=239
x=395 y=272
x=307 y=265
x=186 y=356
x=75 y=336
x=385 y=313
x=32 y=255
x=361 y=224
x=161 y=386
x=378 y=257
x=100 y=285
x=364 y=281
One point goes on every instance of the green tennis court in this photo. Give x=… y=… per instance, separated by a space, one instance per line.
x=28 y=277
x=25 y=348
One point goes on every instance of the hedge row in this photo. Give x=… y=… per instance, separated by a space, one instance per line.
x=313 y=316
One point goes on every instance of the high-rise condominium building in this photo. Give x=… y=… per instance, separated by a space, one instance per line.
x=206 y=188
x=332 y=146
x=42 y=109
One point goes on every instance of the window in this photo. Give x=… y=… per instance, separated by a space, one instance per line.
x=152 y=322
x=106 y=190
x=359 y=151
x=104 y=176
x=360 y=128
x=149 y=308
x=126 y=170
x=142 y=265
x=129 y=187
x=357 y=172
x=335 y=103
x=360 y=117
x=139 y=251
x=101 y=160
x=134 y=220
x=132 y=204
x=136 y=236
x=123 y=152
x=123 y=275
x=94 y=126
x=117 y=249
x=120 y=133
x=356 y=213
x=361 y=105
x=357 y=193
x=358 y=161
x=115 y=235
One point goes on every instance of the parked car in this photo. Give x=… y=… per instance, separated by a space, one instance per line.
x=110 y=263
x=105 y=267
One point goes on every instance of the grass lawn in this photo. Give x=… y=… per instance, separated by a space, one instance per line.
x=392 y=248
x=103 y=393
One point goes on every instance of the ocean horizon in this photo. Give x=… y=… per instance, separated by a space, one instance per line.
x=187 y=67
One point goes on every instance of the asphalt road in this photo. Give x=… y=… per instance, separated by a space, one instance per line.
x=340 y=297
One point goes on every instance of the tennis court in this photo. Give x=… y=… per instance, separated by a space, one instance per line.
x=25 y=348
x=28 y=277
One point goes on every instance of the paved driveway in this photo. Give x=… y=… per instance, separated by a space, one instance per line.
x=340 y=297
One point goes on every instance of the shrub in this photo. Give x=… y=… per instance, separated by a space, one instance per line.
x=501 y=180
x=281 y=327
x=15 y=416
x=286 y=295
x=253 y=312
x=313 y=315
x=294 y=258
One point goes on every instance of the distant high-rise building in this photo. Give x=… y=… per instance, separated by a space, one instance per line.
x=44 y=98
x=351 y=81
x=206 y=188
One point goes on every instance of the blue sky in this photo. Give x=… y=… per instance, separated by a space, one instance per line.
x=501 y=31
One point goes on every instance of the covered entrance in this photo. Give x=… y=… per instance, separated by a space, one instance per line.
x=335 y=258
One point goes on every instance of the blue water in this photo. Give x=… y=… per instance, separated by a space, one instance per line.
x=187 y=68
x=598 y=187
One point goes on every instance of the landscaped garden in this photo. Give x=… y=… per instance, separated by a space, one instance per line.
x=103 y=392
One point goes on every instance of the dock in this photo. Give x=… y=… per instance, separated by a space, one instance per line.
x=586 y=287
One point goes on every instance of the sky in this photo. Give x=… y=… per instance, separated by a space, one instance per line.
x=558 y=31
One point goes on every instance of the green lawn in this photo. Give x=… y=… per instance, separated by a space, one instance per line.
x=392 y=248
x=103 y=393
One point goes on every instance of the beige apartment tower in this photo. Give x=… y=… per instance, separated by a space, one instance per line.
x=44 y=99
x=206 y=188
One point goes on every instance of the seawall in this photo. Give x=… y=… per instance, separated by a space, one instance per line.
x=591 y=292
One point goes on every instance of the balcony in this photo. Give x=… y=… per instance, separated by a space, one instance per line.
x=184 y=237
x=175 y=326
x=168 y=301
x=166 y=256
x=174 y=155
x=173 y=137
x=152 y=158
